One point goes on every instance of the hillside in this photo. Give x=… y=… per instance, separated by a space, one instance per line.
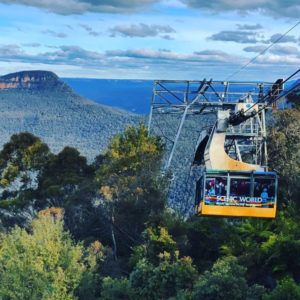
x=39 y=102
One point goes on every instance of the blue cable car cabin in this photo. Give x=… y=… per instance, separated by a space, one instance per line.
x=237 y=194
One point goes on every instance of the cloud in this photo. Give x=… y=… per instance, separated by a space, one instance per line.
x=10 y=50
x=285 y=39
x=255 y=49
x=89 y=30
x=68 y=7
x=33 y=45
x=278 y=8
x=72 y=55
x=237 y=36
x=148 y=63
x=276 y=49
x=68 y=55
x=278 y=60
x=141 y=30
x=167 y=37
x=206 y=56
x=285 y=50
x=55 y=34
x=75 y=55
x=248 y=26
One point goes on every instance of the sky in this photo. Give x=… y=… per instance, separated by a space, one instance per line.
x=150 y=39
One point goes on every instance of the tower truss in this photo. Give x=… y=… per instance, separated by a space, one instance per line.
x=183 y=113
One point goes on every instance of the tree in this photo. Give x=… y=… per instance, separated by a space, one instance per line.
x=284 y=153
x=43 y=263
x=205 y=236
x=164 y=281
x=62 y=177
x=157 y=241
x=226 y=281
x=286 y=289
x=159 y=272
x=116 y=289
x=282 y=246
x=68 y=181
x=21 y=161
x=245 y=242
x=132 y=190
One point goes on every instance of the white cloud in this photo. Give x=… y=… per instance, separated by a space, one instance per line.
x=237 y=36
x=67 y=7
x=149 y=63
x=61 y=35
x=278 y=8
x=141 y=30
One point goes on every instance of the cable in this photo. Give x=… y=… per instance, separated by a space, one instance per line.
x=254 y=113
x=262 y=52
x=279 y=96
x=283 y=82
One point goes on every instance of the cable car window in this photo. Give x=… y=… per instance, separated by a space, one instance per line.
x=240 y=193
x=264 y=188
x=215 y=190
x=240 y=187
x=216 y=186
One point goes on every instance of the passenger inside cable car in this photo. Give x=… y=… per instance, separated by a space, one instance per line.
x=223 y=192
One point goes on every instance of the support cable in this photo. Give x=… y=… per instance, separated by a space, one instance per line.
x=262 y=52
x=240 y=117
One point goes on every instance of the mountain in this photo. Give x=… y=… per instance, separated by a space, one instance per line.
x=40 y=103
x=29 y=80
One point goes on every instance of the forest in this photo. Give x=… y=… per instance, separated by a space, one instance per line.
x=76 y=230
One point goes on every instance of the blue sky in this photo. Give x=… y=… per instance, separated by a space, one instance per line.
x=150 y=39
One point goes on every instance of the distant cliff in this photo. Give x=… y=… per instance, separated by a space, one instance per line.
x=29 y=80
x=41 y=103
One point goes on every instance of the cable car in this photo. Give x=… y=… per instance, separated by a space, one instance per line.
x=230 y=187
x=237 y=194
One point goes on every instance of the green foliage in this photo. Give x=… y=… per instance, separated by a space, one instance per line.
x=131 y=166
x=284 y=145
x=22 y=159
x=205 y=239
x=226 y=280
x=63 y=177
x=159 y=272
x=131 y=185
x=165 y=280
x=268 y=249
x=158 y=241
x=23 y=152
x=90 y=280
x=156 y=253
x=281 y=248
x=41 y=264
x=134 y=149
x=116 y=289
x=286 y=289
x=246 y=242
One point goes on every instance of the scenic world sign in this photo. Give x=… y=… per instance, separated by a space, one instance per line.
x=240 y=201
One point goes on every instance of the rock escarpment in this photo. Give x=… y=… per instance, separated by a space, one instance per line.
x=29 y=80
